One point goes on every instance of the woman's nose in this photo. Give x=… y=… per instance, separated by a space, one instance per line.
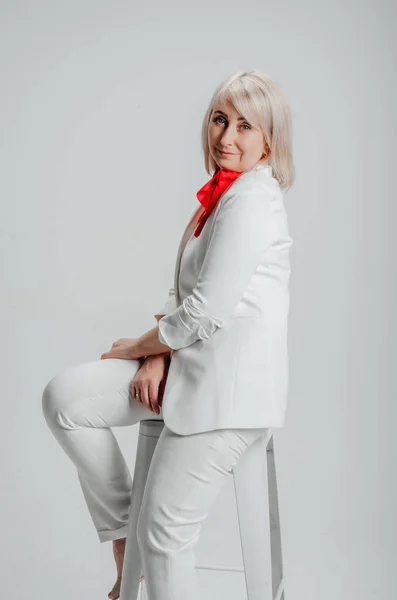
x=227 y=140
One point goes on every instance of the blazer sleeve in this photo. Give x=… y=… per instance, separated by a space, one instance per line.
x=241 y=232
x=169 y=305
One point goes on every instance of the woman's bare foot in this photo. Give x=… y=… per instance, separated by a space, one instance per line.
x=118 y=553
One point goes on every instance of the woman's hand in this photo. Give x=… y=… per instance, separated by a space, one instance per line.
x=133 y=348
x=123 y=348
x=149 y=382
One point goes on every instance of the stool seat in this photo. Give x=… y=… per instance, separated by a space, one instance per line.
x=255 y=487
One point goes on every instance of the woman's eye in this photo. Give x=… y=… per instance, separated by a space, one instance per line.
x=216 y=120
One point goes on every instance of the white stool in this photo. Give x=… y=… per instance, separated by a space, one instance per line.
x=255 y=486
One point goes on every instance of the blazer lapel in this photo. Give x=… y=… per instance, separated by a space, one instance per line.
x=191 y=226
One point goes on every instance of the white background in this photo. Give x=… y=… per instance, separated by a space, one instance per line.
x=101 y=110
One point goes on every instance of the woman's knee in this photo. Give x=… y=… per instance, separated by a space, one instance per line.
x=151 y=532
x=163 y=530
x=55 y=400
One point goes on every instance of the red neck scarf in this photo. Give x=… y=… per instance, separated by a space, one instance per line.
x=211 y=191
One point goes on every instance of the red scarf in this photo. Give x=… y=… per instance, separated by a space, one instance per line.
x=211 y=191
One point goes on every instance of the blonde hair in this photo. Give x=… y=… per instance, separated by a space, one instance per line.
x=260 y=100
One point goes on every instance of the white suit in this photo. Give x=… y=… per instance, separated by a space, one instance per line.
x=227 y=312
x=226 y=319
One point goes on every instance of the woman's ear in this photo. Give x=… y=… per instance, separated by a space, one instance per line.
x=267 y=151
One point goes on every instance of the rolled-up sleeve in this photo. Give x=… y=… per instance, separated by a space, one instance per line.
x=241 y=232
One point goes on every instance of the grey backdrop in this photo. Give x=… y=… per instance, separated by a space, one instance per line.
x=101 y=110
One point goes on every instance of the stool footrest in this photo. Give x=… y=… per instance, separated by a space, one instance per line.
x=215 y=568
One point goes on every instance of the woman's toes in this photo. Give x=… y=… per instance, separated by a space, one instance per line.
x=115 y=591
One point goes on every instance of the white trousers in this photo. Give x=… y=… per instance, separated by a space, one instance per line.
x=187 y=472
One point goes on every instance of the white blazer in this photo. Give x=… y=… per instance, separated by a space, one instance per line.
x=227 y=312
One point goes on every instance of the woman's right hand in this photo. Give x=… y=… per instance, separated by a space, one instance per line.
x=149 y=381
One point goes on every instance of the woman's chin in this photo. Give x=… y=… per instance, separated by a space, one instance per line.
x=225 y=162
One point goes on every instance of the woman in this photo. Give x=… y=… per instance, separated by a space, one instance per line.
x=215 y=367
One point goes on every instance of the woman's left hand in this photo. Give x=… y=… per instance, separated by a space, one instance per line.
x=123 y=348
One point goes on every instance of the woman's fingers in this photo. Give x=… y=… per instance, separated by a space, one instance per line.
x=135 y=392
x=153 y=392
x=145 y=397
x=147 y=392
x=141 y=394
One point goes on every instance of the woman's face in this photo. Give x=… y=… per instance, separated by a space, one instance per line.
x=229 y=132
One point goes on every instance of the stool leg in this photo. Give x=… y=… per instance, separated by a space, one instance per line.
x=275 y=532
x=132 y=564
x=252 y=501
